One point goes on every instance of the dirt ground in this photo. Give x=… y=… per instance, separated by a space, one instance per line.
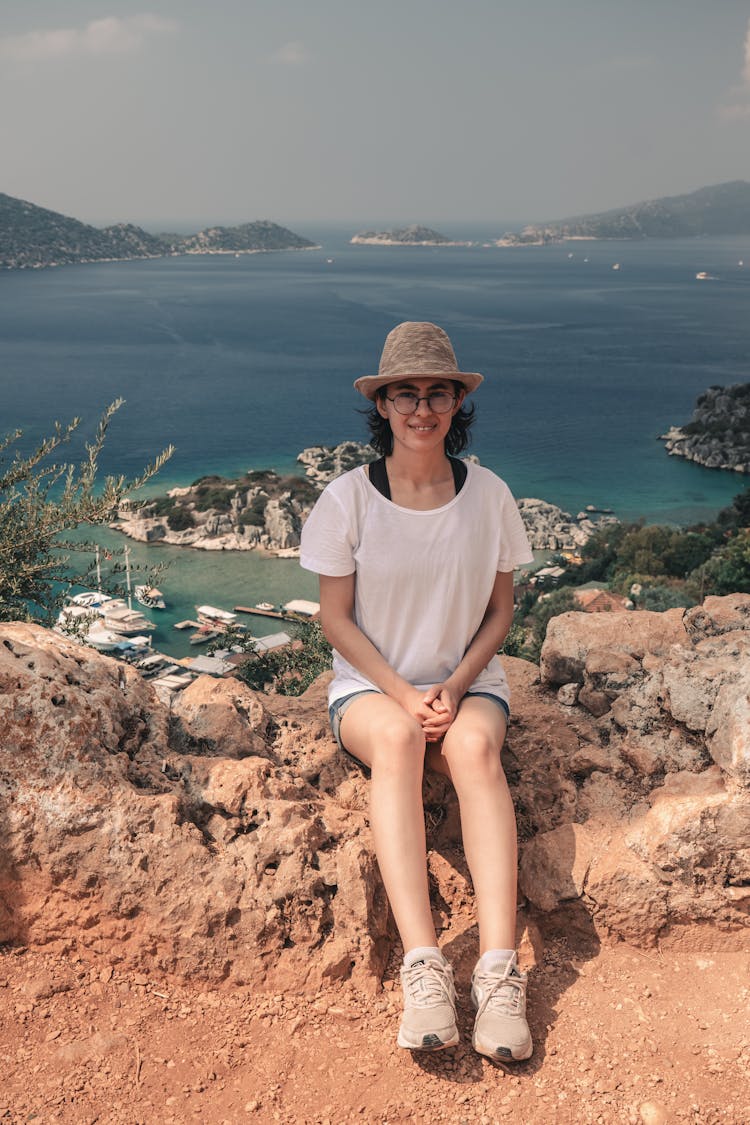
x=620 y=1036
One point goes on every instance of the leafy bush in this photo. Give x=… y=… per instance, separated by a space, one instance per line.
x=289 y=670
x=39 y=501
x=180 y=519
x=561 y=601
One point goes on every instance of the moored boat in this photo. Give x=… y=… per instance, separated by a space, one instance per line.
x=150 y=597
x=218 y=618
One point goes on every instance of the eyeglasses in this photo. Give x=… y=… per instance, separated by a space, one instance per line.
x=439 y=402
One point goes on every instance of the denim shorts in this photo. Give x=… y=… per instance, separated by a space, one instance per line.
x=338 y=708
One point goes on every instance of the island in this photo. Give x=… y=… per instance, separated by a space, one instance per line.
x=718 y=210
x=718 y=434
x=265 y=511
x=33 y=237
x=414 y=235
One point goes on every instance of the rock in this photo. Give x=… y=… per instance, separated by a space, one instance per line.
x=324 y=463
x=571 y=636
x=554 y=865
x=206 y=867
x=282 y=526
x=718 y=434
x=220 y=717
x=653 y=1113
x=728 y=729
x=568 y=694
x=229 y=839
x=717 y=616
x=550 y=528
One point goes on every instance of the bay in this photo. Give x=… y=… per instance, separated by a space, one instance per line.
x=241 y=362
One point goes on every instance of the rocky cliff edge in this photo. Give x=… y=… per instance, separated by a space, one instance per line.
x=227 y=840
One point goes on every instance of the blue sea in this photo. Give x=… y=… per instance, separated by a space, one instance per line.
x=241 y=362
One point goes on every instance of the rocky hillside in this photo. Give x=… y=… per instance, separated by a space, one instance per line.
x=259 y=510
x=228 y=839
x=261 y=235
x=414 y=235
x=718 y=434
x=263 y=510
x=716 y=210
x=32 y=236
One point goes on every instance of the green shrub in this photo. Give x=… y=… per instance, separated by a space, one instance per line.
x=180 y=519
x=40 y=501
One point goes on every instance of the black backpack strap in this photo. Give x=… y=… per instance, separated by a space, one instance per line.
x=460 y=472
x=379 y=477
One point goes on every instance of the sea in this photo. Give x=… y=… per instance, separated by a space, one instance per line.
x=242 y=361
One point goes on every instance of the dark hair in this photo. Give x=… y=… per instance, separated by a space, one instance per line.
x=457 y=439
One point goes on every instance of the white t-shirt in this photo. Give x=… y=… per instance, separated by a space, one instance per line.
x=423 y=579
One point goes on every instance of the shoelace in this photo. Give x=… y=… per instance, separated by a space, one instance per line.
x=503 y=992
x=427 y=983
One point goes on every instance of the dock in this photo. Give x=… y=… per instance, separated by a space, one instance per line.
x=260 y=612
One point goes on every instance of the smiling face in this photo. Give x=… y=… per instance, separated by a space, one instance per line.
x=426 y=428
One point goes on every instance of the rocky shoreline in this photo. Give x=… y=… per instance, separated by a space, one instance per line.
x=264 y=511
x=718 y=434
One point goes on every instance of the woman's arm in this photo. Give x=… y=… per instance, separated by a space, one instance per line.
x=496 y=622
x=340 y=628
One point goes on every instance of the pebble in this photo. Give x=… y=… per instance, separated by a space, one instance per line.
x=653 y=1113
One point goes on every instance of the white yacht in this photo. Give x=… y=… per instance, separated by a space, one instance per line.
x=118 y=616
x=219 y=618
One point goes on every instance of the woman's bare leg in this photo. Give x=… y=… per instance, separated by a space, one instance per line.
x=470 y=756
x=377 y=731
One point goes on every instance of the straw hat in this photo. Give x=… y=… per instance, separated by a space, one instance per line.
x=416 y=348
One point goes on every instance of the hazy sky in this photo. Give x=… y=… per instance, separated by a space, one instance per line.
x=392 y=110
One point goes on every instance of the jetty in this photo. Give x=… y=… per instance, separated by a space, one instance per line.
x=296 y=610
x=258 y=612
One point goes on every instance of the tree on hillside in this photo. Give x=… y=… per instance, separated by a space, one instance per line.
x=41 y=500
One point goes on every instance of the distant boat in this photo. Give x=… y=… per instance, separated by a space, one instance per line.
x=703 y=276
x=266 y=606
x=150 y=597
x=616 y=266
x=90 y=599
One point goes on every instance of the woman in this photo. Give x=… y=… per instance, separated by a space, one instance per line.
x=415 y=555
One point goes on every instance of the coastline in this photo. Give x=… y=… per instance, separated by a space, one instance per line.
x=160 y=257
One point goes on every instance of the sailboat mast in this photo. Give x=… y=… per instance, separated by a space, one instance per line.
x=127 y=573
x=98 y=572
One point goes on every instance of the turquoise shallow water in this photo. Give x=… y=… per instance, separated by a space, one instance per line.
x=242 y=362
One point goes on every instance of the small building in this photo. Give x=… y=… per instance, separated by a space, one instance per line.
x=601 y=601
x=548 y=574
x=214 y=665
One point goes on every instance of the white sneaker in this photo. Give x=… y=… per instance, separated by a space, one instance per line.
x=429 y=1019
x=500 y=1028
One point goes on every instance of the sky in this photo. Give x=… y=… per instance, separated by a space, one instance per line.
x=180 y=112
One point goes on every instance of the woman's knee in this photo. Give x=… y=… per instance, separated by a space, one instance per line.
x=398 y=745
x=474 y=757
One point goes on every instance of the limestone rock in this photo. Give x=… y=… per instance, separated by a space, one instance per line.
x=282 y=527
x=134 y=842
x=718 y=615
x=229 y=839
x=571 y=636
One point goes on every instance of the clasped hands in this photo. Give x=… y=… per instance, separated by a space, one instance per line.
x=434 y=709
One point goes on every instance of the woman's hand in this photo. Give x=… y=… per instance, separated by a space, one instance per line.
x=441 y=704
